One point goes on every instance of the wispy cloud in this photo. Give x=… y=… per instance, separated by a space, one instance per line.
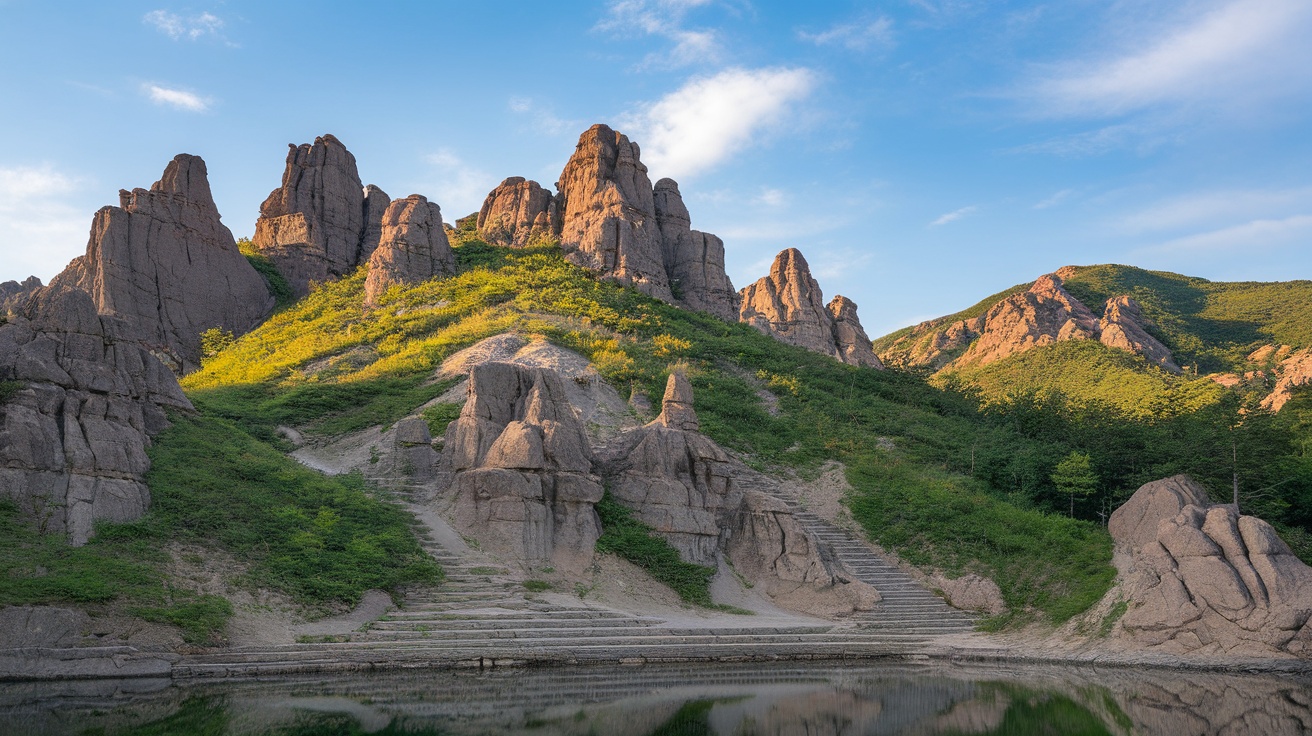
x=1218 y=207
x=542 y=118
x=39 y=230
x=190 y=28
x=1235 y=49
x=460 y=187
x=953 y=216
x=1265 y=233
x=1054 y=200
x=177 y=98
x=861 y=35
x=664 y=18
x=771 y=197
x=695 y=127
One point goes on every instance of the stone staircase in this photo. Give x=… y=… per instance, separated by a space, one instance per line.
x=484 y=616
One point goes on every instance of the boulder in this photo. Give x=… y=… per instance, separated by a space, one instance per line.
x=518 y=464
x=1122 y=327
x=317 y=225
x=1202 y=579
x=73 y=439
x=517 y=213
x=788 y=305
x=14 y=294
x=690 y=492
x=413 y=247
x=1294 y=370
x=1041 y=315
x=971 y=592
x=608 y=216
x=694 y=260
x=164 y=261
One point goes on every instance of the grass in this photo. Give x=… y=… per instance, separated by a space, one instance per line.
x=8 y=389
x=625 y=536
x=278 y=286
x=536 y=586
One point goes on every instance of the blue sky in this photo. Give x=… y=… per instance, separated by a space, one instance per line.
x=922 y=153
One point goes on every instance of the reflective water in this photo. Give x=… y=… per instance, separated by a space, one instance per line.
x=785 y=698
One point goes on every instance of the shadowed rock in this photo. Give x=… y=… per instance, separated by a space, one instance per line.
x=165 y=262
x=318 y=224
x=14 y=294
x=849 y=337
x=413 y=247
x=73 y=439
x=517 y=213
x=520 y=464
x=694 y=260
x=1201 y=578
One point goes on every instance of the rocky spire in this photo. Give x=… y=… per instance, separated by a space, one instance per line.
x=413 y=247
x=316 y=225
x=608 y=218
x=694 y=260
x=1122 y=327
x=13 y=294
x=849 y=337
x=164 y=261
x=517 y=213
x=676 y=406
x=788 y=305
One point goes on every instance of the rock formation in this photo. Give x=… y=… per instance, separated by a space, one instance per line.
x=517 y=213
x=318 y=224
x=694 y=260
x=1043 y=314
x=1122 y=327
x=1294 y=370
x=413 y=247
x=520 y=466
x=73 y=438
x=687 y=489
x=608 y=217
x=1201 y=578
x=14 y=294
x=788 y=305
x=165 y=262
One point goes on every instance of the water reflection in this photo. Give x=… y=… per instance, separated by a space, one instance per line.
x=746 y=700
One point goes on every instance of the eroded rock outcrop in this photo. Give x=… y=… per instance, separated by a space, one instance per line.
x=164 y=261
x=520 y=468
x=1294 y=370
x=691 y=492
x=694 y=260
x=318 y=225
x=1042 y=315
x=789 y=306
x=73 y=438
x=413 y=247
x=517 y=213
x=1201 y=578
x=14 y=294
x=608 y=216
x=1122 y=327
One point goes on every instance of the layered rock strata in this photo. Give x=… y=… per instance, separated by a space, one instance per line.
x=73 y=438
x=691 y=492
x=164 y=261
x=1044 y=314
x=789 y=306
x=412 y=248
x=520 y=468
x=1201 y=578
x=319 y=224
x=517 y=213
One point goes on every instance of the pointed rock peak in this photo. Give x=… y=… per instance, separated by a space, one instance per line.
x=412 y=248
x=676 y=406
x=1065 y=273
x=850 y=337
x=1124 y=327
x=790 y=261
x=187 y=176
x=843 y=308
x=519 y=212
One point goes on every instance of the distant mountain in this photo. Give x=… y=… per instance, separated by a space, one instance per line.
x=1146 y=342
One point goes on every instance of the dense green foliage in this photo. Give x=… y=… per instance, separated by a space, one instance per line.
x=278 y=286
x=1209 y=326
x=623 y=535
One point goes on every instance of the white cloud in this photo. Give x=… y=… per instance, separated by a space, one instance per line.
x=1237 y=49
x=1054 y=200
x=39 y=230
x=191 y=28
x=953 y=216
x=697 y=126
x=1217 y=207
x=1264 y=233
x=772 y=197
x=177 y=98
x=460 y=188
x=860 y=35
x=542 y=119
x=664 y=18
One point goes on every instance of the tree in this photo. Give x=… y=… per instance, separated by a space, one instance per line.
x=1074 y=476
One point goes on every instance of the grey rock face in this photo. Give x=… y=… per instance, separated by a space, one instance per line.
x=14 y=294
x=608 y=217
x=517 y=213
x=73 y=440
x=694 y=260
x=520 y=468
x=318 y=224
x=165 y=262
x=1201 y=578
x=789 y=306
x=412 y=248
